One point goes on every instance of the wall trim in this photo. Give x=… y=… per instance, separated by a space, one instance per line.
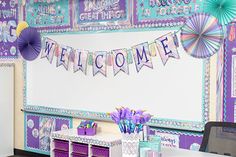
x=28 y=154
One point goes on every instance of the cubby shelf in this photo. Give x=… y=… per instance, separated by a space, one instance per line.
x=68 y=143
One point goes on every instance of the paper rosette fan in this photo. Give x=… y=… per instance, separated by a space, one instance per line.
x=29 y=43
x=201 y=36
x=223 y=10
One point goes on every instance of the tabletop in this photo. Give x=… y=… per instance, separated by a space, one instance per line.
x=101 y=138
x=172 y=152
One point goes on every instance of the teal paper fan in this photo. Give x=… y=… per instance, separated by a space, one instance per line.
x=223 y=10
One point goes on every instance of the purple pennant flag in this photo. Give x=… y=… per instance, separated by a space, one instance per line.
x=48 y=49
x=167 y=47
x=80 y=61
x=120 y=62
x=142 y=56
x=99 y=63
x=63 y=57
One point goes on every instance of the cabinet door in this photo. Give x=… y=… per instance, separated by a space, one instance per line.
x=6 y=109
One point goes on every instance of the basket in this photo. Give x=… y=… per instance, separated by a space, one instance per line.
x=81 y=131
x=78 y=155
x=91 y=131
x=61 y=145
x=98 y=151
x=80 y=148
x=60 y=153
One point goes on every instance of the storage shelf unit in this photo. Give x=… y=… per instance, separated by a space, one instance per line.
x=68 y=143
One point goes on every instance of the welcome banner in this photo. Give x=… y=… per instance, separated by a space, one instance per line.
x=140 y=54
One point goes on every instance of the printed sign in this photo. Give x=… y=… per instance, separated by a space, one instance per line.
x=169 y=140
x=49 y=14
x=161 y=13
x=8 y=23
x=100 y=12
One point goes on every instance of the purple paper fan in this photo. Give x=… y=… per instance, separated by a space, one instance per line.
x=29 y=43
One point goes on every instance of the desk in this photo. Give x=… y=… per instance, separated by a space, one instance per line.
x=172 y=152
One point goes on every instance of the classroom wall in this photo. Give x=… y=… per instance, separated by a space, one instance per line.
x=105 y=126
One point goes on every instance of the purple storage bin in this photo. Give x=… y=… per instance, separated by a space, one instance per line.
x=61 y=145
x=61 y=153
x=78 y=155
x=81 y=131
x=80 y=148
x=98 y=151
x=91 y=131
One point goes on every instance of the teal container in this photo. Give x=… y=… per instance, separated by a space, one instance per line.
x=153 y=144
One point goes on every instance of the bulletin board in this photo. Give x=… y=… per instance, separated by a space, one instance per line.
x=229 y=90
x=175 y=93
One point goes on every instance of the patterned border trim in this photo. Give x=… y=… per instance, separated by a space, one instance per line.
x=178 y=132
x=225 y=81
x=7 y=65
x=25 y=135
x=167 y=123
x=9 y=57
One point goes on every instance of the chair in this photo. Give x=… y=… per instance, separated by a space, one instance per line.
x=219 y=138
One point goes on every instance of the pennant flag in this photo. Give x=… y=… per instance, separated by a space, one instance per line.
x=63 y=58
x=142 y=56
x=48 y=49
x=80 y=61
x=120 y=61
x=167 y=47
x=99 y=63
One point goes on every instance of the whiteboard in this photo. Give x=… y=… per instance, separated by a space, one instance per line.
x=172 y=93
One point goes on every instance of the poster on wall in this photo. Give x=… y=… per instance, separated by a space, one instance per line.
x=46 y=126
x=49 y=15
x=8 y=23
x=160 y=13
x=229 y=93
x=178 y=139
x=39 y=128
x=102 y=14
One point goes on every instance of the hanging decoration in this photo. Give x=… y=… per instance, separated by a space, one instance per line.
x=167 y=47
x=142 y=56
x=223 y=10
x=63 y=58
x=48 y=49
x=232 y=32
x=201 y=36
x=80 y=61
x=99 y=63
x=120 y=62
x=20 y=27
x=29 y=43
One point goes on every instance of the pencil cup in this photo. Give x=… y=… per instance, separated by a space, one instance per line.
x=130 y=145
